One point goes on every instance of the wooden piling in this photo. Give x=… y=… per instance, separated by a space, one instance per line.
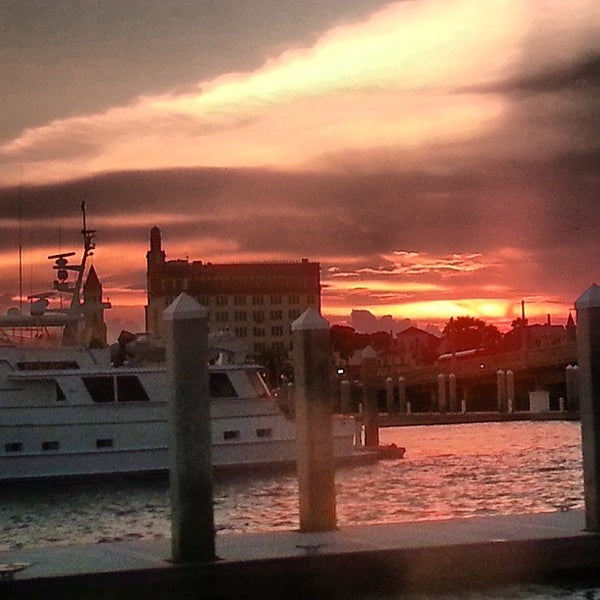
x=588 y=356
x=192 y=515
x=314 y=434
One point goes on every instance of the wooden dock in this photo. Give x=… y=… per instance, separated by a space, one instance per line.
x=352 y=562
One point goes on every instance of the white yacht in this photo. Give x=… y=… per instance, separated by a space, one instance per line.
x=65 y=413
x=68 y=411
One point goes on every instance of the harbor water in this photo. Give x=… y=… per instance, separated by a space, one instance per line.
x=449 y=471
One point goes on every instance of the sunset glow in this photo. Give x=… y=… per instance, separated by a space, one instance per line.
x=437 y=157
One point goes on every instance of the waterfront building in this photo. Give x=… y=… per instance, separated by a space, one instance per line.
x=255 y=303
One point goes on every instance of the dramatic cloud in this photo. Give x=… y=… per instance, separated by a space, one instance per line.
x=438 y=157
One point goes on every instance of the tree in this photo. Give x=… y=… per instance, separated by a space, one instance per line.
x=345 y=341
x=342 y=340
x=467 y=333
x=381 y=341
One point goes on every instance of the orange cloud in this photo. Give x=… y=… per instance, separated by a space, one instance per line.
x=388 y=81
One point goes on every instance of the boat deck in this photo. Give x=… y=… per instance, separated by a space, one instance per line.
x=350 y=562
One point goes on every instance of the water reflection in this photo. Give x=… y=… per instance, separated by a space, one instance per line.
x=448 y=471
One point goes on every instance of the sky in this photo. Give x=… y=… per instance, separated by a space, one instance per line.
x=438 y=158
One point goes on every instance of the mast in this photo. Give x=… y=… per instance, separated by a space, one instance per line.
x=21 y=250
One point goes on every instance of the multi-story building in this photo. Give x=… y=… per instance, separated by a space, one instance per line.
x=255 y=302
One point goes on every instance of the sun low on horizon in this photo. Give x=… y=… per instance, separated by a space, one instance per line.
x=438 y=158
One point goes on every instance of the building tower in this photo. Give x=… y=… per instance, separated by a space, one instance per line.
x=93 y=306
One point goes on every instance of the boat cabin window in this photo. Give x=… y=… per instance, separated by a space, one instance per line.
x=231 y=435
x=265 y=432
x=130 y=389
x=46 y=365
x=220 y=386
x=46 y=446
x=101 y=389
x=105 y=443
x=257 y=382
x=60 y=395
x=13 y=447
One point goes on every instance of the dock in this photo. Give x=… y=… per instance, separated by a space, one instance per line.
x=350 y=562
x=411 y=419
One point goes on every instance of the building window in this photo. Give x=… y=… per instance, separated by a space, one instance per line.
x=294 y=299
x=241 y=332
x=294 y=314
x=13 y=447
x=277 y=330
x=276 y=299
x=276 y=315
x=222 y=316
x=264 y=432
x=105 y=443
x=259 y=332
x=258 y=316
x=278 y=346
x=311 y=299
x=233 y=434
x=240 y=315
x=258 y=299
x=259 y=347
x=222 y=300
x=220 y=386
x=204 y=300
x=239 y=300
x=49 y=446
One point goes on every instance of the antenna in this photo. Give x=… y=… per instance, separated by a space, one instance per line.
x=21 y=249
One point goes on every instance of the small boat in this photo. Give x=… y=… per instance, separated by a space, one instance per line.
x=390 y=451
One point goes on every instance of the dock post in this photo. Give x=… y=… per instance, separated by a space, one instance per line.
x=192 y=518
x=368 y=369
x=510 y=391
x=389 y=394
x=441 y=393
x=571 y=375
x=588 y=357
x=314 y=431
x=402 y=405
x=501 y=390
x=452 y=391
x=345 y=394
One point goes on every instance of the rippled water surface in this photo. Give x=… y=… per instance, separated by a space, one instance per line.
x=448 y=471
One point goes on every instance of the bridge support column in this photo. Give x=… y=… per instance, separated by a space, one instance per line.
x=501 y=385
x=369 y=378
x=402 y=394
x=572 y=384
x=389 y=394
x=510 y=391
x=588 y=357
x=441 y=393
x=465 y=399
x=452 y=392
x=345 y=396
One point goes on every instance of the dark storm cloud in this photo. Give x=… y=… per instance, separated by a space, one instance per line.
x=582 y=73
x=66 y=58
x=493 y=204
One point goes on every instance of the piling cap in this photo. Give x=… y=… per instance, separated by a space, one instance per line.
x=590 y=298
x=184 y=307
x=310 y=319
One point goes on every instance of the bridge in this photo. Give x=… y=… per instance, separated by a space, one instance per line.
x=476 y=380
